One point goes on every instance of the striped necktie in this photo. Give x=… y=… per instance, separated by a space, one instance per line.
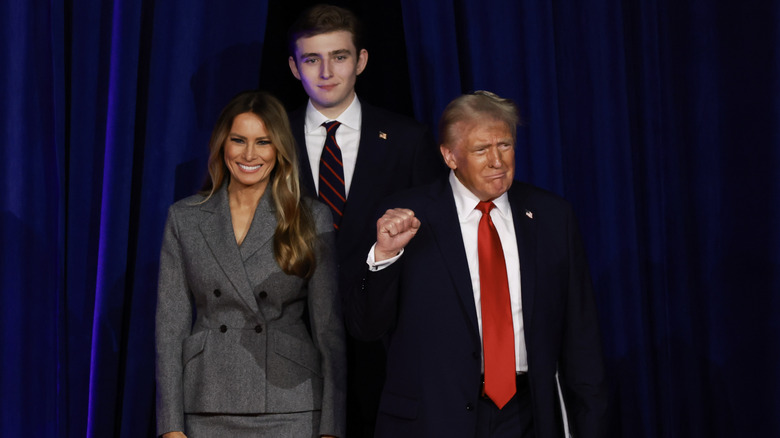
x=331 y=185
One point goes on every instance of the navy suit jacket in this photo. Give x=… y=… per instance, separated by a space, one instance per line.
x=394 y=154
x=425 y=305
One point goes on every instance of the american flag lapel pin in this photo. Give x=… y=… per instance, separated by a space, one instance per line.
x=383 y=135
x=530 y=214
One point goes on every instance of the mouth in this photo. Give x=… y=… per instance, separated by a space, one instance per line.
x=496 y=176
x=246 y=168
x=328 y=87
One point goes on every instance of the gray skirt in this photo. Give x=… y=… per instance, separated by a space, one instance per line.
x=293 y=425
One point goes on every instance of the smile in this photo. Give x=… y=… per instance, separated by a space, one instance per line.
x=246 y=168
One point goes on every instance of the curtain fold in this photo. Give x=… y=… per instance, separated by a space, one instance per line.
x=31 y=95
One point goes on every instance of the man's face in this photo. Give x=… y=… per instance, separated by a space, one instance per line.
x=328 y=65
x=482 y=155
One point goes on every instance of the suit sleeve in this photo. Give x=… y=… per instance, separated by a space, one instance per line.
x=172 y=324
x=328 y=326
x=581 y=370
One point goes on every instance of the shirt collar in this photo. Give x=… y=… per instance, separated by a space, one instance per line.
x=351 y=117
x=466 y=202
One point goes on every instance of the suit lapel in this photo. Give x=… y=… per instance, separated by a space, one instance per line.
x=525 y=233
x=443 y=220
x=217 y=231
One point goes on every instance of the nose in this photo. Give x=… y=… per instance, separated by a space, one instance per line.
x=495 y=159
x=325 y=71
x=249 y=152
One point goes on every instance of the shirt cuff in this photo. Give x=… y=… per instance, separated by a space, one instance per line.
x=374 y=266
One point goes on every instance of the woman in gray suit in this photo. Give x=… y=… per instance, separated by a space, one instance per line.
x=250 y=341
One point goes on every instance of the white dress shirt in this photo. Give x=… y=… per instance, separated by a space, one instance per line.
x=347 y=137
x=468 y=217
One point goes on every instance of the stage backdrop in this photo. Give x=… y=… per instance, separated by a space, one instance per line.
x=658 y=120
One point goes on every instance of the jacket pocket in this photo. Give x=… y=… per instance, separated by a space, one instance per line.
x=193 y=345
x=299 y=351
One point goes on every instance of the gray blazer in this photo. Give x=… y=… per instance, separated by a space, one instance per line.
x=246 y=348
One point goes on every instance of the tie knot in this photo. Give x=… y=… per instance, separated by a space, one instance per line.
x=331 y=126
x=485 y=207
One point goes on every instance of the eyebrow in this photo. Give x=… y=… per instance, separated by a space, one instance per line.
x=233 y=134
x=331 y=53
x=340 y=52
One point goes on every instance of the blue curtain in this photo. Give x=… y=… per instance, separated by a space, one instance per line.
x=106 y=109
x=658 y=119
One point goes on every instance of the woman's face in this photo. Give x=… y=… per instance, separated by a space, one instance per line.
x=249 y=154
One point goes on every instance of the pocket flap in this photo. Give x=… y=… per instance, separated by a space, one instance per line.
x=192 y=345
x=297 y=350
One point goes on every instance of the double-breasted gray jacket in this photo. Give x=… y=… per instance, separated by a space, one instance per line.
x=231 y=326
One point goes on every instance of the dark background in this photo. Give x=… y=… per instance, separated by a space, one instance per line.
x=657 y=119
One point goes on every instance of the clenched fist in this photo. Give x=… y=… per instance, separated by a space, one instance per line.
x=394 y=230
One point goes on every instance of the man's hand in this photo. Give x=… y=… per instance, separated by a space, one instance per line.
x=174 y=435
x=394 y=230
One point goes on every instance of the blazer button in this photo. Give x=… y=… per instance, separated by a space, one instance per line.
x=258 y=328
x=469 y=407
x=223 y=328
x=263 y=294
x=217 y=293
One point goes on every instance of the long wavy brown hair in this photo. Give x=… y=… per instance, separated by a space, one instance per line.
x=295 y=232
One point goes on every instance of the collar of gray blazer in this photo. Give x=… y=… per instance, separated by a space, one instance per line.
x=216 y=227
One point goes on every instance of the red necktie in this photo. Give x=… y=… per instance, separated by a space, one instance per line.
x=498 y=336
x=332 y=189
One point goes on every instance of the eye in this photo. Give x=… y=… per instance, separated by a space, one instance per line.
x=237 y=140
x=263 y=142
x=310 y=60
x=341 y=58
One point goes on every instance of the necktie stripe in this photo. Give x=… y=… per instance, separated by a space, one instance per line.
x=337 y=158
x=332 y=188
x=334 y=173
x=332 y=206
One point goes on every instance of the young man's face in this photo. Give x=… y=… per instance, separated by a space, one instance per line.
x=328 y=65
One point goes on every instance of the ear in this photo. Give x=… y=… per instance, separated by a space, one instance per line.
x=294 y=68
x=449 y=157
x=362 y=60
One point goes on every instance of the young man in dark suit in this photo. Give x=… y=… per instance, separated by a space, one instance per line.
x=480 y=286
x=351 y=165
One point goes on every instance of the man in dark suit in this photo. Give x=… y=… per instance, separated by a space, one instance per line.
x=481 y=286
x=368 y=154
